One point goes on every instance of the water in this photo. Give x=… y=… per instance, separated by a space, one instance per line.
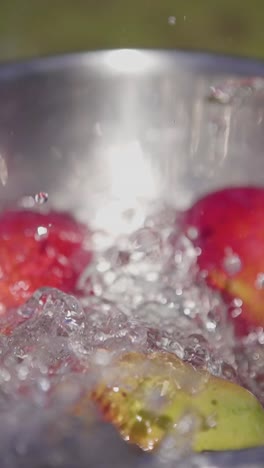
x=232 y=263
x=260 y=281
x=30 y=201
x=41 y=198
x=141 y=294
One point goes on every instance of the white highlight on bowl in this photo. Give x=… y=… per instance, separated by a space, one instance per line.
x=132 y=183
x=129 y=61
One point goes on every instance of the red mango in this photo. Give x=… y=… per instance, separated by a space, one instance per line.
x=229 y=230
x=38 y=250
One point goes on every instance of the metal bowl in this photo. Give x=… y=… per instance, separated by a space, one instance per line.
x=104 y=132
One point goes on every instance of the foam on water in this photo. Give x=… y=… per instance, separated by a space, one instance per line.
x=142 y=293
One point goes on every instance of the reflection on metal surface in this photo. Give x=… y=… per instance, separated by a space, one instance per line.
x=130 y=174
x=195 y=129
x=227 y=118
x=128 y=61
x=210 y=136
x=131 y=183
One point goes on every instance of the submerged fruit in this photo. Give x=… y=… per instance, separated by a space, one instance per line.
x=229 y=227
x=148 y=395
x=38 y=250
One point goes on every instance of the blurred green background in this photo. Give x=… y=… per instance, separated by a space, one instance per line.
x=40 y=27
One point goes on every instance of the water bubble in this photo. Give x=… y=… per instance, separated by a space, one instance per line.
x=41 y=198
x=146 y=242
x=197 y=356
x=228 y=372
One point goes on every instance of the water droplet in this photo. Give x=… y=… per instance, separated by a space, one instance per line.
x=192 y=233
x=221 y=95
x=260 y=281
x=196 y=355
x=172 y=20
x=236 y=312
x=41 y=198
x=237 y=302
x=211 y=421
x=44 y=384
x=228 y=372
x=146 y=241
x=232 y=263
x=42 y=233
x=261 y=337
x=236 y=307
x=196 y=339
x=3 y=170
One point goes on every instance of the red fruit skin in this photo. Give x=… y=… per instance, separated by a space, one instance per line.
x=232 y=218
x=29 y=260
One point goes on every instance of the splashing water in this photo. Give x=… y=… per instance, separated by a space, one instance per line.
x=142 y=293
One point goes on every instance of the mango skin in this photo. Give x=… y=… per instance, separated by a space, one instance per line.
x=238 y=416
x=232 y=221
